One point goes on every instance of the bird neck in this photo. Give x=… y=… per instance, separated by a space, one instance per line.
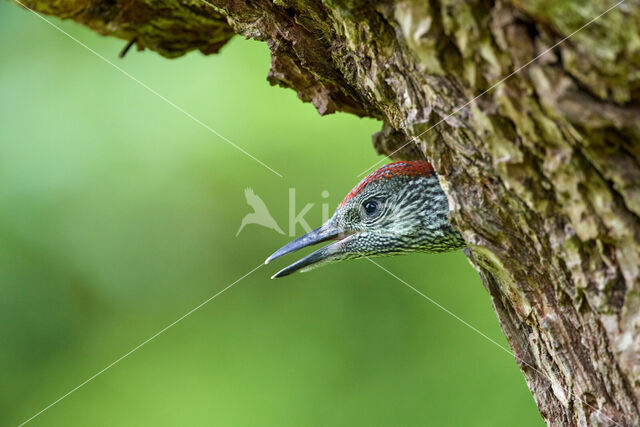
x=441 y=236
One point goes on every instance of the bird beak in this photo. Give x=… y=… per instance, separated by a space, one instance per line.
x=327 y=232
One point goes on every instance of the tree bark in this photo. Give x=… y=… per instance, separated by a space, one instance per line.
x=542 y=171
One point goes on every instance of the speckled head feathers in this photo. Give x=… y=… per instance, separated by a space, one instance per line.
x=397 y=209
x=409 y=169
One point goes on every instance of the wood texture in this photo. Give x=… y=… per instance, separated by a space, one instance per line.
x=542 y=172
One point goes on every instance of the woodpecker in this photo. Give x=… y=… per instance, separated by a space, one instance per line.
x=397 y=209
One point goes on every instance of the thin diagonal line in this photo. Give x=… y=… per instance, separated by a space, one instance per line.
x=153 y=91
x=431 y=300
x=414 y=139
x=136 y=348
x=441 y=307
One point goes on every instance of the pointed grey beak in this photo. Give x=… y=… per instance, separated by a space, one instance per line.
x=319 y=235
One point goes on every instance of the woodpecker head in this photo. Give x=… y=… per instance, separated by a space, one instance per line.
x=399 y=208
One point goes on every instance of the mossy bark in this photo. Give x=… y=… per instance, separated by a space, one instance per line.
x=542 y=172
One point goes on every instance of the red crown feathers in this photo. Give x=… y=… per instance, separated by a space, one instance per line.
x=410 y=169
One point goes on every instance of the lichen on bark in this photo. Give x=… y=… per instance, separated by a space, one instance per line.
x=542 y=171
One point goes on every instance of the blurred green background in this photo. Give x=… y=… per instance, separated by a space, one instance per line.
x=118 y=214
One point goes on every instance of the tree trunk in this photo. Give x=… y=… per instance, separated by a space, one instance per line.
x=542 y=171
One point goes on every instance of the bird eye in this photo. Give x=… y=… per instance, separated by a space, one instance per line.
x=370 y=207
